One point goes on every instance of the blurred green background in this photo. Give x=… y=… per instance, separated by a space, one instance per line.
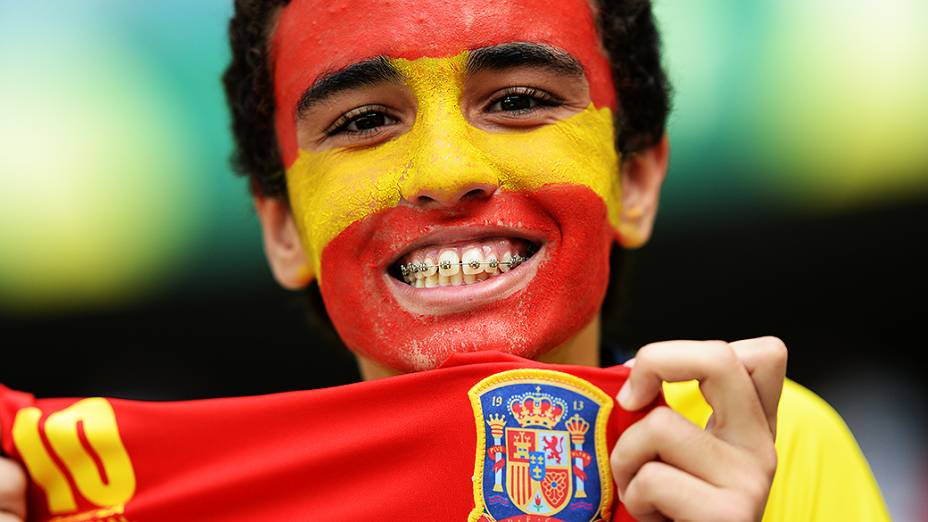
x=130 y=257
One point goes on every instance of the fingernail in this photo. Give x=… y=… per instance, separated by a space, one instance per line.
x=625 y=394
x=629 y=363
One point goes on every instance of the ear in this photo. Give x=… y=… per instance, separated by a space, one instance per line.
x=282 y=244
x=642 y=175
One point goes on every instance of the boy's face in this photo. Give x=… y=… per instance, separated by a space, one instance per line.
x=451 y=170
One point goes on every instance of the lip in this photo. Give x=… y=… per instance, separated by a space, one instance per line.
x=448 y=235
x=463 y=298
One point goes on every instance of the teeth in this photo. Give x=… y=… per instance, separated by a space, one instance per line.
x=448 y=263
x=431 y=266
x=431 y=271
x=472 y=261
x=507 y=262
x=491 y=265
x=455 y=266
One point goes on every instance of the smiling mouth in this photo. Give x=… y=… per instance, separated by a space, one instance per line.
x=462 y=263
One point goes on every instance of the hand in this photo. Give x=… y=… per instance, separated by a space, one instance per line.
x=12 y=492
x=666 y=467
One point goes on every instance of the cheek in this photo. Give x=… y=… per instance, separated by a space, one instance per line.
x=577 y=151
x=331 y=190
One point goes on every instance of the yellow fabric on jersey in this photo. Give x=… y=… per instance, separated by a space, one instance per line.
x=821 y=473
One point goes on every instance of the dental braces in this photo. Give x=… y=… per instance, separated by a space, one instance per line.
x=413 y=268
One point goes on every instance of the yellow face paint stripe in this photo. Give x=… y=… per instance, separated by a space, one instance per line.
x=331 y=189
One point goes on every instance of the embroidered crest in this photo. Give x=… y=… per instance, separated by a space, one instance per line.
x=541 y=448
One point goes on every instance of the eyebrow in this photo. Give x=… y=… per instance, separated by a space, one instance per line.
x=361 y=74
x=520 y=54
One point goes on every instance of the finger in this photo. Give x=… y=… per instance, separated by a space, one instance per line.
x=664 y=435
x=765 y=359
x=660 y=491
x=724 y=381
x=12 y=489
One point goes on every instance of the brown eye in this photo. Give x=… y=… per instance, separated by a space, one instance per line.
x=522 y=100
x=362 y=121
x=517 y=102
x=368 y=121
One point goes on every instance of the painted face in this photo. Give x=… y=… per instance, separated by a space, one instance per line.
x=451 y=170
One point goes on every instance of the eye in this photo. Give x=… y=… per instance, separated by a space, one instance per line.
x=522 y=100
x=362 y=121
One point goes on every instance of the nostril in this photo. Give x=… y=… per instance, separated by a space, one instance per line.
x=431 y=198
x=476 y=193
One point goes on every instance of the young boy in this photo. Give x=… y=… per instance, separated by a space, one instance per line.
x=453 y=176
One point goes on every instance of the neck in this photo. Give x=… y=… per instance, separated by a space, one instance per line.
x=581 y=349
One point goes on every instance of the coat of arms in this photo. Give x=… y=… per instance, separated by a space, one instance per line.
x=541 y=448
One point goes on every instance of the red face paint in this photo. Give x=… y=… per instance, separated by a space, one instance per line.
x=571 y=221
x=564 y=295
x=314 y=37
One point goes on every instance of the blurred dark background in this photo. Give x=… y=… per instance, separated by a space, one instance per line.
x=130 y=258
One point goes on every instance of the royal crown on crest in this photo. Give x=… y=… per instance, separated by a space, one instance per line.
x=537 y=409
x=577 y=427
x=496 y=423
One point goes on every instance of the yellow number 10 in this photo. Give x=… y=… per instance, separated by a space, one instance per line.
x=61 y=429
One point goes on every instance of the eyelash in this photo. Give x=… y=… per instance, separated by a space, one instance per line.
x=541 y=98
x=340 y=126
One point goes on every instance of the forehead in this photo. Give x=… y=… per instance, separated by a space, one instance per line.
x=315 y=37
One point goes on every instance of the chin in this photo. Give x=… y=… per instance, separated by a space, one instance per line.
x=520 y=272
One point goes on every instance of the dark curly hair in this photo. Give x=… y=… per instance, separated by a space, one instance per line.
x=627 y=28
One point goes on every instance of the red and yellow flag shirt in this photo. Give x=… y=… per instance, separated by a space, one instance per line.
x=486 y=437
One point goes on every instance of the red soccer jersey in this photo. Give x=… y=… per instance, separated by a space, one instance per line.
x=487 y=436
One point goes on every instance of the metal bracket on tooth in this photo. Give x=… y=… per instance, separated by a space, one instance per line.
x=413 y=268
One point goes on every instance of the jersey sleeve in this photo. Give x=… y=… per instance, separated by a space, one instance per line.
x=821 y=473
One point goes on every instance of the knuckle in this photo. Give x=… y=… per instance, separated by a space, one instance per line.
x=616 y=462
x=619 y=449
x=774 y=349
x=649 y=476
x=655 y=427
x=633 y=499
x=723 y=357
x=769 y=463
x=660 y=419
x=622 y=460
x=754 y=493
x=645 y=355
x=640 y=490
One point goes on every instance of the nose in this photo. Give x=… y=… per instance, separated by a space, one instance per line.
x=446 y=165
x=433 y=197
